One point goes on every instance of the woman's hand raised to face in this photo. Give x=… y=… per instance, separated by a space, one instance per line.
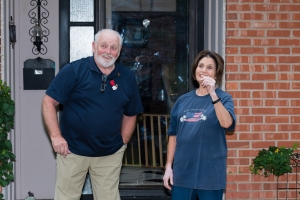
x=208 y=83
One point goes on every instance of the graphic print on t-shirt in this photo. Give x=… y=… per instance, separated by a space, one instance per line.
x=193 y=115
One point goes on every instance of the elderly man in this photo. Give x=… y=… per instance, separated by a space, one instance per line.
x=100 y=101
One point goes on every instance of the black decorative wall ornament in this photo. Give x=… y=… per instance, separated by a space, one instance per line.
x=39 y=32
x=12 y=32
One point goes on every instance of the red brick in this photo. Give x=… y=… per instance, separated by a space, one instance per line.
x=251 y=68
x=238 y=161
x=231 y=136
x=263 y=94
x=252 y=50
x=289 y=127
x=253 y=1
x=288 y=111
x=236 y=144
x=265 y=7
x=247 y=152
x=251 y=16
x=232 y=33
x=264 y=25
x=277 y=119
x=232 y=50
x=233 y=77
x=251 y=102
x=238 y=41
x=295 y=68
x=252 y=33
x=237 y=59
x=295 y=136
x=251 y=136
x=296 y=85
x=289 y=7
x=260 y=178
x=231 y=85
x=289 y=25
x=265 y=59
x=270 y=186
x=278 y=16
x=230 y=16
x=269 y=77
x=295 y=119
x=247 y=186
x=231 y=186
x=289 y=42
x=296 y=33
x=276 y=102
x=264 y=127
x=275 y=50
x=278 y=33
x=296 y=50
x=238 y=7
x=289 y=76
x=232 y=153
x=242 y=111
x=231 y=68
x=265 y=42
x=285 y=95
x=262 y=144
x=278 y=86
x=237 y=195
x=265 y=195
x=295 y=102
x=287 y=144
x=251 y=86
x=276 y=136
x=238 y=178
x=239 y=94
x=278 y=68
x=263 y=111
x=296 y=16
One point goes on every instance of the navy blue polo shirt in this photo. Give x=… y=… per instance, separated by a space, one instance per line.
x=91 y=119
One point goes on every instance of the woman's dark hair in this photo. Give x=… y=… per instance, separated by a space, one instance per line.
x=219 y=65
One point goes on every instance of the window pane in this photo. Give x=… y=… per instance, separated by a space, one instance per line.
x=155 y=48
x=82 y=10
x=81 y=39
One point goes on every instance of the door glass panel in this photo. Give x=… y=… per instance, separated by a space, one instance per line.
x=155 y=49
x=81 y=10
x=81 y=38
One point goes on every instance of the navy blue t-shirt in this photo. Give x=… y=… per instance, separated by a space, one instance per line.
x=91 y=119
x=201 y=149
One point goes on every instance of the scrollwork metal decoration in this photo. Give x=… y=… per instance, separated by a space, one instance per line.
x=39 y=32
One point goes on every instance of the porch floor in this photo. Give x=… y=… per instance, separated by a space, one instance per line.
x=137 y=183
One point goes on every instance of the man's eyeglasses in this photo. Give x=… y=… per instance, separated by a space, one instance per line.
x=103 y=84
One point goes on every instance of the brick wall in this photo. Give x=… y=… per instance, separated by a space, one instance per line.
x=263 y=77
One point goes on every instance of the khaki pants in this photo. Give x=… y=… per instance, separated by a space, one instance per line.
x=104 y=173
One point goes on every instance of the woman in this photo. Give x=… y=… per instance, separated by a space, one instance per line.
x=197 y=148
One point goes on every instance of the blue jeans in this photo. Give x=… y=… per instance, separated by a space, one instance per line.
x=180 y=193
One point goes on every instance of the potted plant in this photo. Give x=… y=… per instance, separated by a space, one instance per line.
x=275 y=160
x=7 y=110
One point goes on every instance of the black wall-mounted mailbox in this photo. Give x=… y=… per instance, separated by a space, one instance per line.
x=38 y=73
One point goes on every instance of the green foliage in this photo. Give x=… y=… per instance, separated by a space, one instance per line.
x=275 y=160
x=7 y=110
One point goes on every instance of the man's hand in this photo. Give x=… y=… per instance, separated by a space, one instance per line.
x=168 y=178
x=60 y=146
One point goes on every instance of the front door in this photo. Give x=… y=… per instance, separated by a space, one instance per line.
x=157 y=48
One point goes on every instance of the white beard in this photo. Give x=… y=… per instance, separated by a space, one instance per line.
x=103 y=62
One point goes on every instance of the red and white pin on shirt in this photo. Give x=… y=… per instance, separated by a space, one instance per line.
x=113 y=84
